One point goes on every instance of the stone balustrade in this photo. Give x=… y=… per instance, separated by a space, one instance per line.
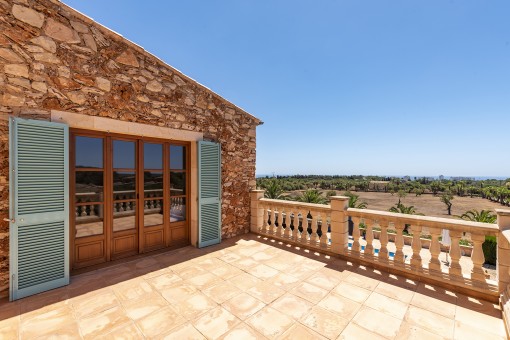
x=325 y=228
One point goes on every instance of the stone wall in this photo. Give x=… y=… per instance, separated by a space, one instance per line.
x=54 y=58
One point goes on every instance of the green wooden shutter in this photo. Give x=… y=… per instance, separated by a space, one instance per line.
x=209 y=193
x=39 y=206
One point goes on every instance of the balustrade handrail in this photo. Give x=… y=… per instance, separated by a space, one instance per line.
x=296 y=204
x=427 y=221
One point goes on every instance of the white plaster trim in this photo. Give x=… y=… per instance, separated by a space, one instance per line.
x=81 y=121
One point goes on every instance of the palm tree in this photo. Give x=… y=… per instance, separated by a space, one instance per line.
x=485 y=216
x=273 y=189
x=404 y=209
x=312 y=196
x=354 y=201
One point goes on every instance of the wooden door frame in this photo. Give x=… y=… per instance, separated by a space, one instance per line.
x=107 y=188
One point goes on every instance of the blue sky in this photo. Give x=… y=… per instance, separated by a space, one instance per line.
x=345 y=87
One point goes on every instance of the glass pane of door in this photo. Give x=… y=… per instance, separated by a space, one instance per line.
x=124 y=185
x=153 y=184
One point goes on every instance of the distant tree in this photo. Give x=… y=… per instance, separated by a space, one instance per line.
x=312 y=196
x=330 y=193
x=401 y=195
x=436 y=187
x=485 y=216
x=447 y=199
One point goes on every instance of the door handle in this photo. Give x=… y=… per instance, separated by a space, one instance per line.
x=9 y=220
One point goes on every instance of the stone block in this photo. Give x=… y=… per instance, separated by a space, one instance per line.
x=28 y=15
x=10 y=56
x=45 y=42
x=61 y=32
x=18 y=70
x=128 y=58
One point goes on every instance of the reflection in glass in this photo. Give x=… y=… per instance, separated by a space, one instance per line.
x=153 y=184
x=153 y=212
x=89 y=220
x=177 y=183
x=123 y=154
x=89 y=186
x=177 y=157
x=89 y=152
x=177 y=209
x=152 y=156
x=124 y=185
x=124 y=215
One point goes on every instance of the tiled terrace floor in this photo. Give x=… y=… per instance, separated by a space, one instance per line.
x=247 y=287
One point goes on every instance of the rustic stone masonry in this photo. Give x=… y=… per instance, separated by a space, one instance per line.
x=54 y=58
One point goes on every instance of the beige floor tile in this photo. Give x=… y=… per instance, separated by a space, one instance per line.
x=280 y=264
x=222 y=291
x=413 y=332
x=245 y=263
x=216 y=322
x=309 y=292
x=262 y=272
x=45 y=322
x=341 y=306
x=473 y=331
x=204 y=280
x=186 y=331
x=137 y=309
x=262 y=256
x=127 y=331
x=47 y=300
x=226 y=271
x=437 y=292
x=210 y=263
x=230 y=257
x=189 y=272
x=194 y=306
x=242 y=332
x=159 y=322
x=430 y=321
x=244 y=281
x=434 y=305
x=324 y=322
x=283 y=281
x=164 y=281
x=270 y=322
x=104 y=322
x=481 y=321
x=9 y=331
x=387 y=305
x=323 y=280
x=178 y=292
x=395 y=292
x=362 y=281
x=243 y=306
x=352 y=292
x=300 y=332
x=265 y=292
x=481 y=306
x=94 y=303
x=299 y=271
x=354 y=332
x=68 y=331
x=377 y=322
x=133 y=290
x=292 y=306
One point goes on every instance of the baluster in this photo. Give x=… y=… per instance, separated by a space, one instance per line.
x=455 y=268
x=435 y=251
x=266 y=218
x=369 y=237
x=309 y=226
x=416 y=245
x=286 y=223
x=318 y=230
x=356 y=235
x=327 y=236
x=301 y=227
x=294 y=222
x=272 y=219
x=383 y=238
x=477 y=257
x=92 y=210
x=78 y=211
x=399 y=259
x=276 y=225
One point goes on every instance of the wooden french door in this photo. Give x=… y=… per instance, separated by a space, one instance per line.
x=129 y=194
